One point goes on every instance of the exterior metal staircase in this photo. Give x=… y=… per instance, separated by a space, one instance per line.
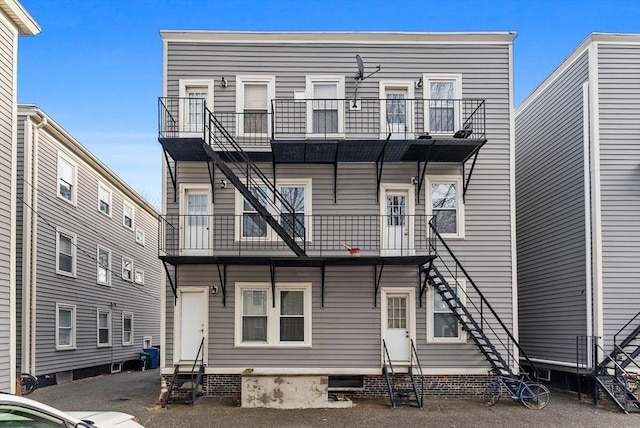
x=473 y=311
x=406 y=384
x=218 y=142
x=185 y=383
x=618 y=374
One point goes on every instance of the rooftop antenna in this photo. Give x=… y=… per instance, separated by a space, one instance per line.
x=359 y=77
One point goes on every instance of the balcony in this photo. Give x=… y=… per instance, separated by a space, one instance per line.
x=208 y=238
x=326 y=119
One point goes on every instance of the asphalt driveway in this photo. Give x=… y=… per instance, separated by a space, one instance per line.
x=137 y=393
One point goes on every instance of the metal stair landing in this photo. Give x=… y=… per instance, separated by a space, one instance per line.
x=405 y=384
x=186 y=383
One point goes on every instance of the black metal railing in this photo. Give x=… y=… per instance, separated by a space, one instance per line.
x=476 y=303
x=367 y=118
x=325 y=235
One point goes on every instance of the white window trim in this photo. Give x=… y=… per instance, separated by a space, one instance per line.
x=339 y=80
x=98 y=266
x=141 y=241
x=133 y=214
x=457 y=85
x=74 y=253
x=273 y=326
x=460 y=212
x=110 y=327
x=271 y=94
x=71 y=308
x=184 y=85
x=135 y=276
x=271 y=236
x=184 y=188
x=385 y=85
x=74 y=189
x=122 y=268
x=124 y=315
x=110 y=192
x=462 y=337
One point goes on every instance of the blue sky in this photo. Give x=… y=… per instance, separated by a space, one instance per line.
x=96 y=66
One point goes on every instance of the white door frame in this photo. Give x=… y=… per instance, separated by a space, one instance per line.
x=411 y=314
x=177 y=322
x=184 y=188
x=411 y=211
x=383 y=86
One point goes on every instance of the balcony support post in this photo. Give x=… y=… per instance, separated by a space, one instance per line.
x=212 y=179
x=466 y=182
x=379 y=166
x=377 y=276
x=174 y=287
x=173 y=177
x=222 y=275
x=422 y=283
x=335 y=176
x=272 y=271
x=322 y=269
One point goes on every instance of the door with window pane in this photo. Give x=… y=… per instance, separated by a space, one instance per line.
x=442 y=107
x=397 y=332
x=194 y=109
x=396 y=224
x=396 y=113
x=325 y=109
x=196 y=237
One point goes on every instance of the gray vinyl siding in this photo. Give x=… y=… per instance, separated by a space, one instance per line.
x=91 y=228
x=619 y=120
x=550 y=209
x=7 y=111
x=346 y=332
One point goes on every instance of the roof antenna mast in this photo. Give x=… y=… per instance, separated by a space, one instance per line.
x=359 y=77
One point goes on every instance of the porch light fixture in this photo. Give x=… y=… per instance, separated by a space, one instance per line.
x=419 y=83
x=223 y=82
x=223 y=184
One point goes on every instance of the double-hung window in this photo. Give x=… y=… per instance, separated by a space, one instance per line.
x=65 y=326
x=442 y=324
x=67 y=178
x=295 y=207
x=325 y=109
x=260 y=322
x=128 y=215
x=104 y=327
x=254 y=95
x=127 y=328
x=444 y=197
x=104 y=199
x=139 y=276
x=140 y=236
x=127 y=269
x=65 y=253
x=104 y=266
x=253 y=225
x=442 y=93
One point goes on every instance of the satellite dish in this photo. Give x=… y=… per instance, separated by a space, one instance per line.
x=360 y=75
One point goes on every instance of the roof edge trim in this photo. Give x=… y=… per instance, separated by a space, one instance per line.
x=27 y=26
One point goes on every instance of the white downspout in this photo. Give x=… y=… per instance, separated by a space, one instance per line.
x=27 y=195
x=587 y=219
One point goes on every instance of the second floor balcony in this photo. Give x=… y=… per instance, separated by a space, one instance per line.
x=326 y=119
x=204 y=237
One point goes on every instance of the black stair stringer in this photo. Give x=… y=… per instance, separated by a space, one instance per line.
x=468 y=323
x=218 y=140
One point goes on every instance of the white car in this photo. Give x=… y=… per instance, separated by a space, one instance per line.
x=25 y=413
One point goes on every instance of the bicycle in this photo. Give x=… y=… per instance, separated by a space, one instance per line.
x=28 y=383
x=533 y=395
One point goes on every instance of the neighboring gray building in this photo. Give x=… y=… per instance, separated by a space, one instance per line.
x=578 y=208
x=283 y=148
x=88 y=274
x=14 y=22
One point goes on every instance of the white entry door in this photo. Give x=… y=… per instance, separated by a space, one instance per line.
x=397 y=325
x=193 y=316
x=396 y=113
x=196 y=230
x=397 y=223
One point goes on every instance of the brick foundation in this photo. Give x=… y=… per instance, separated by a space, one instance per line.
x=442 y=386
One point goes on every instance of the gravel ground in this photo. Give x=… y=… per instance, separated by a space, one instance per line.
x=137 y=393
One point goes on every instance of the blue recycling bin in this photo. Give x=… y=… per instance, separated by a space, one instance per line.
x=154 y=357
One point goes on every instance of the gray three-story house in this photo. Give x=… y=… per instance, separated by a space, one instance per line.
x=338 y=214
x=88 y=283
x=14 y=22
x=578 y=205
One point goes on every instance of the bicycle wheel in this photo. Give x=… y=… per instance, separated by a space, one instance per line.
x=535 y=396
x=492 y=394
x=28 y=383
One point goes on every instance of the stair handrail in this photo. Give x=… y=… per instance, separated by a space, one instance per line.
x=390 y=385
x=483 y=299
x=414 y=355
x=628 y=357
x=193 y=368
x=620 y=373
x=615 y=336
x=240 y=156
